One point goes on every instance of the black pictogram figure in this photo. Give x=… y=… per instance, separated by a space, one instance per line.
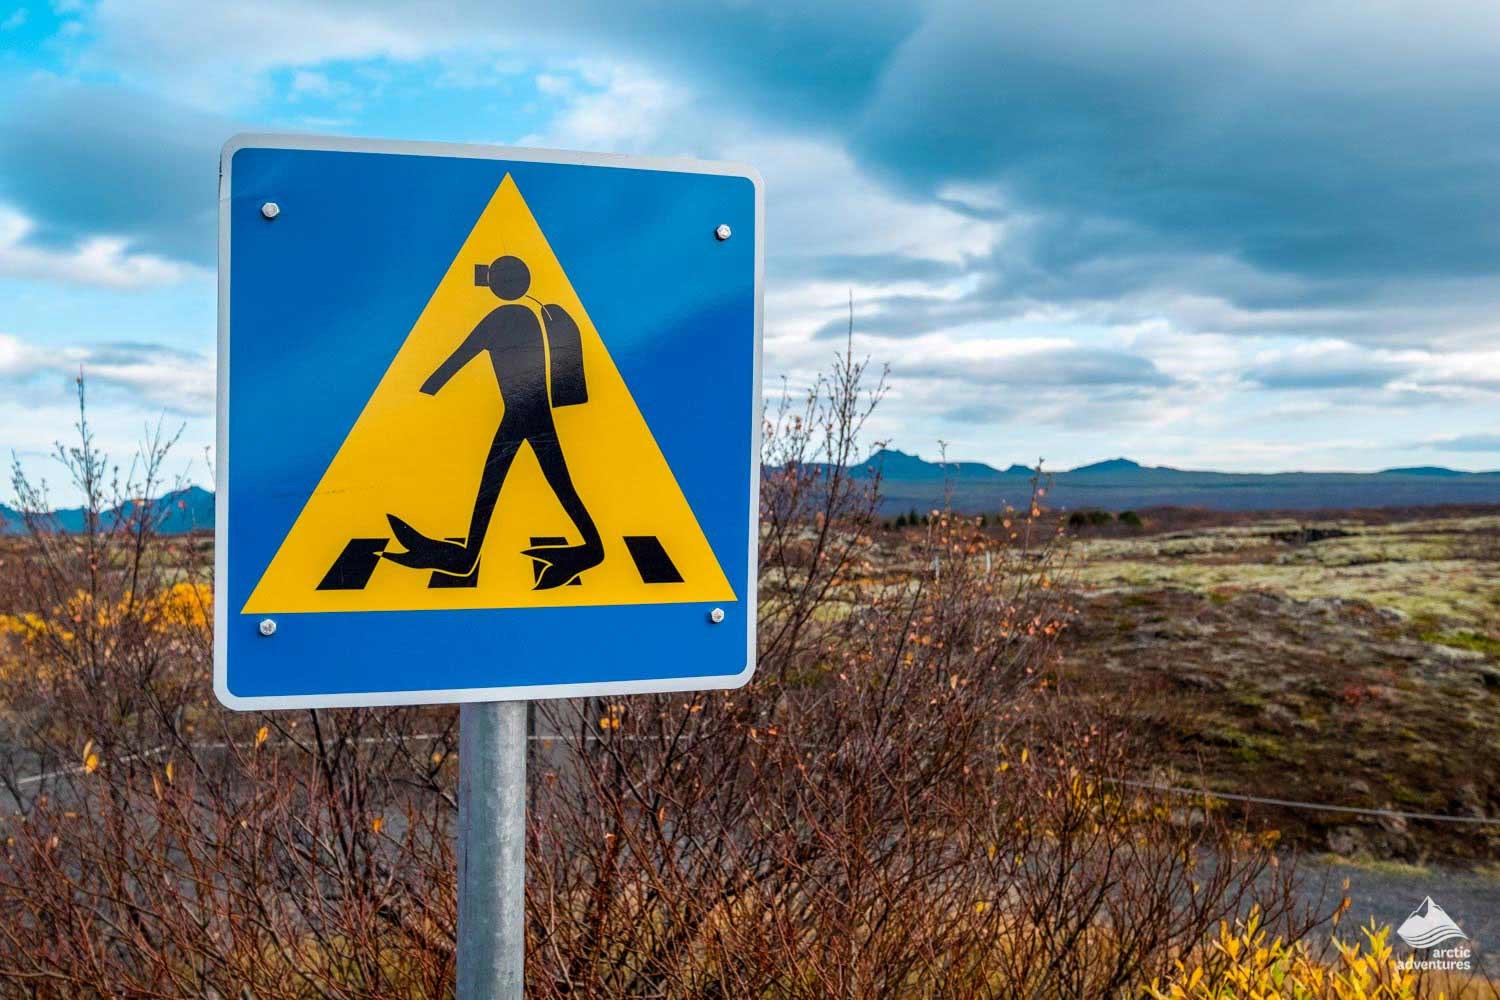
x=445 y=581
x=538 y=566
x=514 y=339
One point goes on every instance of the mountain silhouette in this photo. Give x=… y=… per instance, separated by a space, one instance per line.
x=184 y=510
x=908 y=480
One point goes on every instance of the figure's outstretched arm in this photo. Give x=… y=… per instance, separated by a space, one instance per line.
x=462 y=355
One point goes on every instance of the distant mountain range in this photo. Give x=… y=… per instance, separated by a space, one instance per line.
x=182 y=510
x=909 y=481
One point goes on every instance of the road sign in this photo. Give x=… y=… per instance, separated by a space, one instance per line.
x=488 y=423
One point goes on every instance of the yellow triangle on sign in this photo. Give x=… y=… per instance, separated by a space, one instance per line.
x=503 y=384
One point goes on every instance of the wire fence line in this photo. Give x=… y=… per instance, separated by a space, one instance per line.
x=157 y=751
x=1311 y=806
x=1184 y=790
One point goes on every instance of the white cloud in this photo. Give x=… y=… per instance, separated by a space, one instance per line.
x=97 y=260
x=1198 y=357
x=1376 y=375
x=17 y=358
x=150 y=375
x=1463 y=443
x=313 y=84
x=610 y=107
x=1478 y=371
x=821 y=202
x=216 y=53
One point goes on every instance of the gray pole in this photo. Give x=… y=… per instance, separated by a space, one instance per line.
x=492 y=850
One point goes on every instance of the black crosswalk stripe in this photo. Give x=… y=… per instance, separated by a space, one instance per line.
x=356 y=564
x=651 y=560
x=352 y=569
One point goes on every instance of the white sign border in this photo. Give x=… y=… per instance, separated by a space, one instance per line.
x=530 y=692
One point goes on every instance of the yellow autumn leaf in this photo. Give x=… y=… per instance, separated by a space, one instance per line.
x=91 y=763
x=377 y=823
x=262 y=734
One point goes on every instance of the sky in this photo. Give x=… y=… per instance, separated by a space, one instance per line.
x=1253 y=237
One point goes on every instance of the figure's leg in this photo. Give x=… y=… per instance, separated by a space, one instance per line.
x=496 y=467
x=549 y=455
x=459 y=557
x=564 y=563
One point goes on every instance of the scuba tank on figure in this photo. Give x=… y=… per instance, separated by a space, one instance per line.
x=565 y=353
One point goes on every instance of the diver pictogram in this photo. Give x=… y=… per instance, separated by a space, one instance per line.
x=500 y=461
x=538 y=364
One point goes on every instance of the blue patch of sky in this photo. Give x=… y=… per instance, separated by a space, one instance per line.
x=453 y=99
x=182 y=315
x=35 y=37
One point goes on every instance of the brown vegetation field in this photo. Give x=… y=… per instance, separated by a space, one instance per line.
x=938 y=784
x=1348 y=658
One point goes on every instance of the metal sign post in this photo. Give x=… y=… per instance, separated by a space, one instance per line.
x=492 y=850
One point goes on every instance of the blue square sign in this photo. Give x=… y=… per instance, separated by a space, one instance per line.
x=489 y=423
